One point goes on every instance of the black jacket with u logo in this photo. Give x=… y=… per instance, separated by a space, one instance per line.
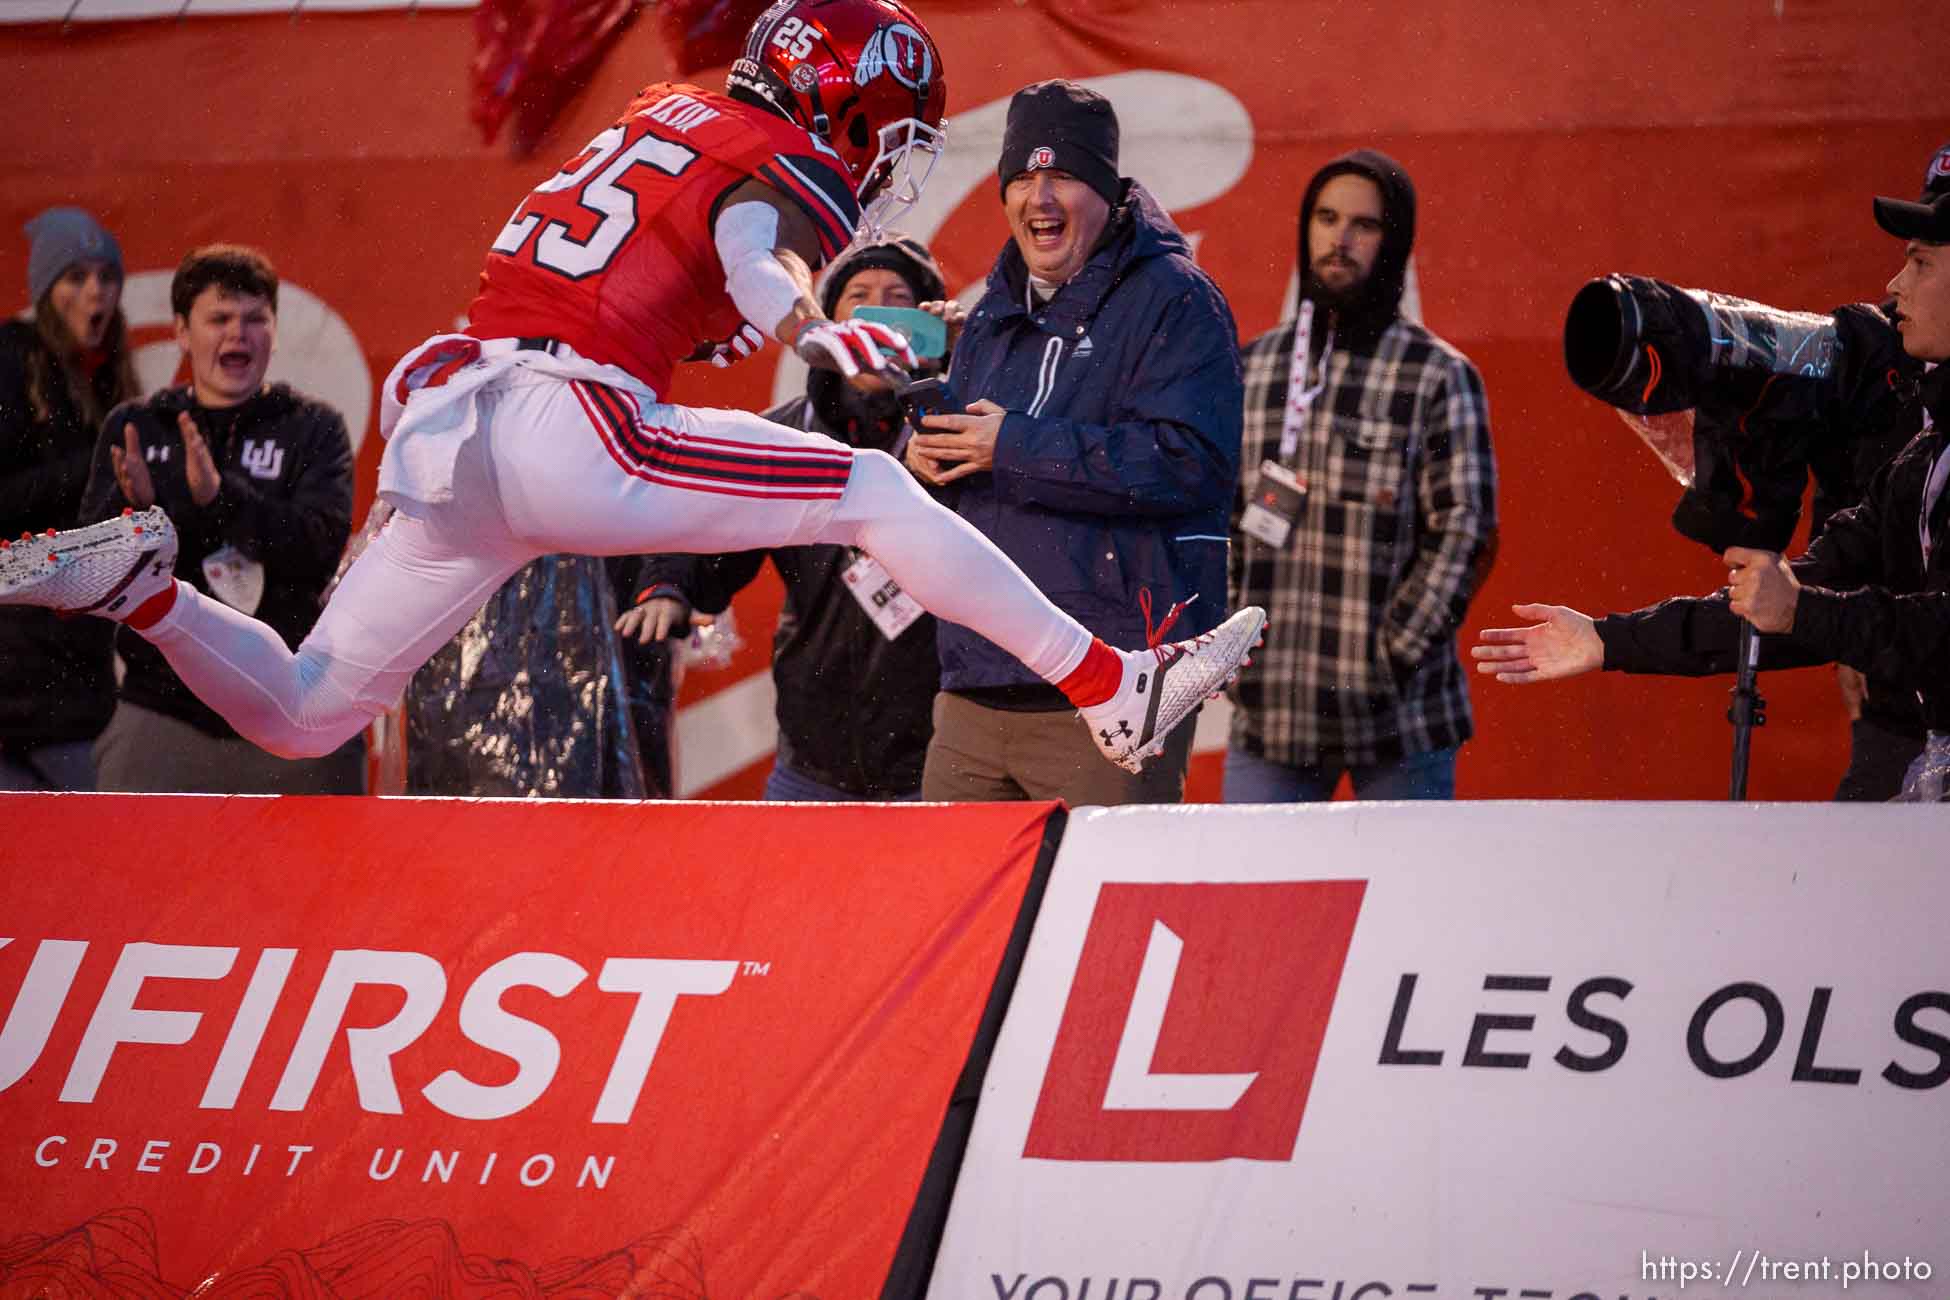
x=285 y=503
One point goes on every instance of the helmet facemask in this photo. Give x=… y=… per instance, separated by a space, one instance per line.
x=893 y=182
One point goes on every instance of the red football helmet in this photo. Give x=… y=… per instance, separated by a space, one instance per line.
x=865 y=77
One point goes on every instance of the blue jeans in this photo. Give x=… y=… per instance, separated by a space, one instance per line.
x=62 y=765
x=1418 y=776
x=784 y=785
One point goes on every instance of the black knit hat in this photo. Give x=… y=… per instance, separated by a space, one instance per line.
x=904 y=255
x=1929 y=218
x=1061 y=125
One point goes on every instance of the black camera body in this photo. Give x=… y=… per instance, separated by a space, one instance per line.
x=1774 y=394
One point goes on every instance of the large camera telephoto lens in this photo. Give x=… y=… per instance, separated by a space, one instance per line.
x=1761 y=384
x=1601 y=343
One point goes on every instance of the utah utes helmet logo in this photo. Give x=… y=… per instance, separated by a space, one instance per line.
x=900 y=51
x=1939 y=167
x=1041 y=157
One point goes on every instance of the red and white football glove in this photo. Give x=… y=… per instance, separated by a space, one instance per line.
x=852 y=346
x=746 y=341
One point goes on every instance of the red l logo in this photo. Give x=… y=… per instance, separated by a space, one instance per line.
x=1195 y=1022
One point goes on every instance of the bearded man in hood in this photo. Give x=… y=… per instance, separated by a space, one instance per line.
x=1366 y=519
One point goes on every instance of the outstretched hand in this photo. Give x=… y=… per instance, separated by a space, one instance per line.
x=1562 y=643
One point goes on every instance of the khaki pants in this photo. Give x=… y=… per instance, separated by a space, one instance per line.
x=980 y=754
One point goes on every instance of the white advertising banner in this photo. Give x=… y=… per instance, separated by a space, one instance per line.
x=1501 y=1051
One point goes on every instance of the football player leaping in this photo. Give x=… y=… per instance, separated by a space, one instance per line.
x=541 y=429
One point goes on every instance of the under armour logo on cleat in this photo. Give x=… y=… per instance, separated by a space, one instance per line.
x=1111 y=737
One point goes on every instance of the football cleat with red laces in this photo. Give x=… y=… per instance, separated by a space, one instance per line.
x=1162 y=687
x=106 y=569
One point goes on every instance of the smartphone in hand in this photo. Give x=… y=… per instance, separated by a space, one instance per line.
x=924 y=397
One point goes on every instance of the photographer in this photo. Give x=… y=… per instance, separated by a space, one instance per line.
x=1885 y=725
x=1872 y=591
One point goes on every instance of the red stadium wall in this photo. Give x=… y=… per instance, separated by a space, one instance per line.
x=1734 y=147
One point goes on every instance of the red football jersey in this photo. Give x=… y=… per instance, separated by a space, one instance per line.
x=613 y=254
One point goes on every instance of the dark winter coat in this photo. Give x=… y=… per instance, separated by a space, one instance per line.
x=1115 y=467
x=60 y=682
x=1874 y=407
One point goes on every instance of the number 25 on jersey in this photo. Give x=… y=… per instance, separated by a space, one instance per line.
x=589 y=193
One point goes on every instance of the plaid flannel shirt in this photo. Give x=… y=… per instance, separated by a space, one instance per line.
x=1396 y=533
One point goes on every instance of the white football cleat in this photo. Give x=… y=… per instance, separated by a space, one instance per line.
x=106 y=569
x=1162 y=687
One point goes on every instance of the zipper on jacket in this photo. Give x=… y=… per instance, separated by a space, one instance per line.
x=1046 y=375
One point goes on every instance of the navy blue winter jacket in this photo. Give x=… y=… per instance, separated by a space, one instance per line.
x=1115 y=468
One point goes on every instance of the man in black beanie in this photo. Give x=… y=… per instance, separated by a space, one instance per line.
x=1076 y=127
x=1100 y=373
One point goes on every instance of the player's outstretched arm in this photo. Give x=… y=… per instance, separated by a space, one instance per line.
x=768 y=247
x=1563 y=643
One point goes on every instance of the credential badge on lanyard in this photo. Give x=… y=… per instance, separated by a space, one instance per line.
x=892 y=610
x=1279 y=493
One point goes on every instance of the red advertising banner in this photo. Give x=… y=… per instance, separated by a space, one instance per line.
x=373 y=1048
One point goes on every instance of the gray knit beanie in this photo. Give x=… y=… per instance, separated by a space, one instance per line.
x=61 y=237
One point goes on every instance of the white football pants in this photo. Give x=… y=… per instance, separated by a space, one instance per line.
x=569 y=466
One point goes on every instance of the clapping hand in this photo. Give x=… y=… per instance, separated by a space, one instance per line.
x=132 y=468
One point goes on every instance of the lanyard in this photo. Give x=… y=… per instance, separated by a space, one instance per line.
x=1932 y=488
x=1303 y=387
